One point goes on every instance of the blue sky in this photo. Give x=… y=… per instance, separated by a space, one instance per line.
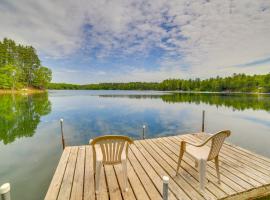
x=89 y=41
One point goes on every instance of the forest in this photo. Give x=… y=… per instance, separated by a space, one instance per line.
x=21 y=67
x=234 y=83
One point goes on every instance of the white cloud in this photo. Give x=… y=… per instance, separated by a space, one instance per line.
x=198 y=38
x=53 y=27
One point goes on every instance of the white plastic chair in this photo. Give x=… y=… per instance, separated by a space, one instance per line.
x=110 y=150
x=203 y=153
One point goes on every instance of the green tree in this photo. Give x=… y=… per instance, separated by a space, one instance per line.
x=42 y=77
x=235 y=83
x=23 y=64
x=9 y=77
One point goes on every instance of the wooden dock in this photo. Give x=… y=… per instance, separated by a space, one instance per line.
x=244 y=175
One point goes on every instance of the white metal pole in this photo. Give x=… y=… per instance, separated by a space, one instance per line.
x=143 y=136
x=203 y=120
x=62 y=133
x=165 y=187
x=5 y=191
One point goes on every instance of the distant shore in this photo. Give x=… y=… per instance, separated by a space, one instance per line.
x=169 y=91
x=22 y=91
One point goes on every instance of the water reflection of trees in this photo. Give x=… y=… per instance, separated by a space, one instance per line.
x=133 y=96
x=20 y=115
x=235 y=101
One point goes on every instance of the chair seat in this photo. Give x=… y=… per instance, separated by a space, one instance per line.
x=198 y=152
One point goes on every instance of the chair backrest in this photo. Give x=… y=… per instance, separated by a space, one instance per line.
x=112 y=147
x=216 y=143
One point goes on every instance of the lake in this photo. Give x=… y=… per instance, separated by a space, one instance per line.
x=30 y=137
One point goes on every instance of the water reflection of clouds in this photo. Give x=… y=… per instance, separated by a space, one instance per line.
x=256 y=120
x=123 y=116
x=246 y=133
x=91 y=116
x=87 y=116
x=34 y=157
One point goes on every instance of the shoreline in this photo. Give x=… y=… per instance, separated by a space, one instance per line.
x=34 y=91
x=22 y=91
x=172 y=91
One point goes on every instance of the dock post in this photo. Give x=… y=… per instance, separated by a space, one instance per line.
x=143 y=132
x=203 y=120
x=165 y=187
x=5 y=192
x=62 y=133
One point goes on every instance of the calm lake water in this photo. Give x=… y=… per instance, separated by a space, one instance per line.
x=30 y=139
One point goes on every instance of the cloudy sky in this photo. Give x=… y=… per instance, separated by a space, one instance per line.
x=88 y=41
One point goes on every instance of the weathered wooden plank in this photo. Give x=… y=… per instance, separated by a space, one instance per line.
x=254 y=193
x=89 y=180
x=243 y=174
x=156 y=179
x=246 y=160
x=127 y=195
x=103 y=188
x=219 y=190
x=243 y=157
x=237 y=174
x=236 y=167
x=186 y=174
x=226 y=185
x=150 y=188
x=56 y=182
x=256 y=175
x=67 y=182
x=78 y=181
x=224 y=171
x=174 y=188
x=136 y=184
x=114 y=190
x=259 y=159
x=180 y=180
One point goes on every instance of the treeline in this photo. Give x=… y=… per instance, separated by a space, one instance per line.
x=235 y=83
x=106 y=86
x=20 y=67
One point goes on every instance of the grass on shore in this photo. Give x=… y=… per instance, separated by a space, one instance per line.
x=21 y=91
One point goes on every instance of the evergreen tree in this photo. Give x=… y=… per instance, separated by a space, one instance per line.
x=42 y=77
x=235 y=83
x=20 y=66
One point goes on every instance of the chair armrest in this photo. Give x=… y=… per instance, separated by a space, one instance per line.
x=90 y=141
x=184 y=142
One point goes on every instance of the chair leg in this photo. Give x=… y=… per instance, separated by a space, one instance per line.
x=124 y=169
x=196 y=163
x=217 y=168
x=94 y=166
x=98 y=170
x=181 y=153
x=202 y=172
